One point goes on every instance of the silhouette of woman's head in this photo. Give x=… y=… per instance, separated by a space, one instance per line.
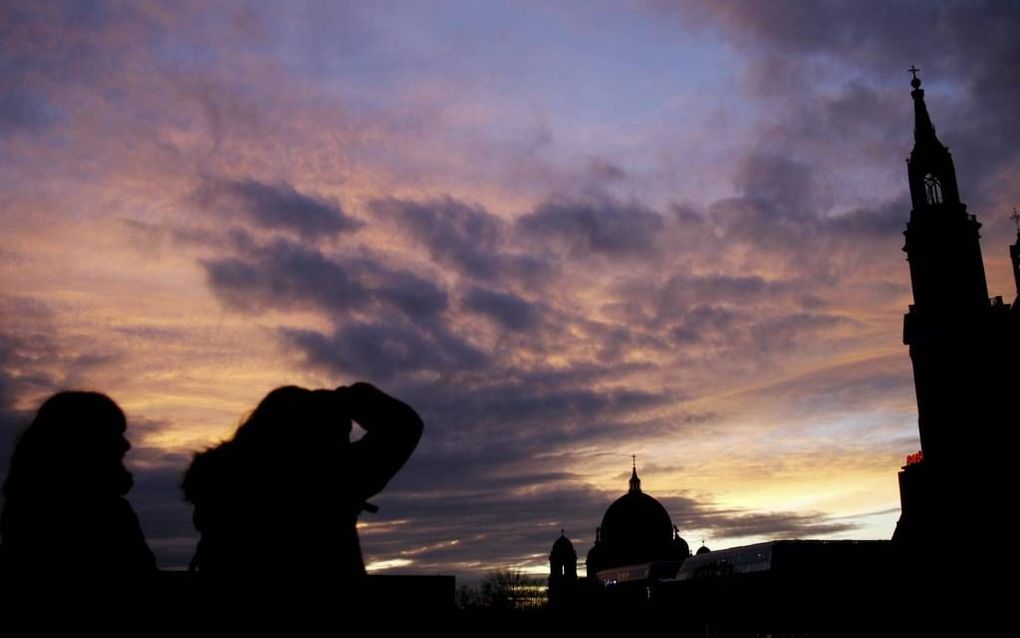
x=295 y=419
x=289 y=442
x=65 y=510
x=284 y=493
x=261 y=496
x=75 y=444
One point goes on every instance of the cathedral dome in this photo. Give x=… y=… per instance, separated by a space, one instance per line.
x=637 y=519
x=635 y=529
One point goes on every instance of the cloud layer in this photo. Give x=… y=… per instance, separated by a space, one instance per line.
x=564 y=234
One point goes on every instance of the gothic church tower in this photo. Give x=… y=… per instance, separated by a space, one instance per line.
x=963 y=347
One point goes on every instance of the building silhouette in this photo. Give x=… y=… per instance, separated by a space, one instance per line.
x=636 y=545
x=635 y=530
x=963 y=347
x=562 y=571
x=640 y=567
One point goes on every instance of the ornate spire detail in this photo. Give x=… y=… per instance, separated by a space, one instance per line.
x=635 y=482
x=924 y=130
x=930 y=170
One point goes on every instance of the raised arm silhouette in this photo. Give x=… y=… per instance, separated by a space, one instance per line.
x=65 y=513
x=283 y=495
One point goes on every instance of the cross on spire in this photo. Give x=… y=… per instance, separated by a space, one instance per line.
x=913 y=70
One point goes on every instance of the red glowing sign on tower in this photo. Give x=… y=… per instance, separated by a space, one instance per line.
x=914 y=458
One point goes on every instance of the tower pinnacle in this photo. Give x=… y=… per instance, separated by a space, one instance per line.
x=924 y=130
x=635 y=482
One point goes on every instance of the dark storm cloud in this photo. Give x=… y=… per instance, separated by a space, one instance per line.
x=506 y=309
x=882 y=222
x=702 y=304
x=288 y=275
x=276 y=206
x=872 y=32
x=387 y=321
x=778 y=204
x=777 y=181
x=786 y=215
x=682 y=291
x=383 y=349
x=595 y=226
x=704 y=322
x=285 y=275
x=746 y=338
x=416 y=296
x=851 y=121
x=454 y=232
x=533 y=412
x=824 y=26
x=466 y=237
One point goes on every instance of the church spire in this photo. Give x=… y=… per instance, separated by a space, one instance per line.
x=635 y=482
x=924 y=130
x=930 y=169
x=946 y=271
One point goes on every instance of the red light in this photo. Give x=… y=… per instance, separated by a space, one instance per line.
x=916 y=457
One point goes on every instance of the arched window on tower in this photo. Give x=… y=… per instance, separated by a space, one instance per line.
x=932 y=189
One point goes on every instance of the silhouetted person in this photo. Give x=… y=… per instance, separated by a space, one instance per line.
x=65 y=513
x=283 y=495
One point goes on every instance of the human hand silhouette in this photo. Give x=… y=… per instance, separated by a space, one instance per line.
x=392 y=430
x=370 y=407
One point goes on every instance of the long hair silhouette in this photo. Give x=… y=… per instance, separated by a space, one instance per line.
x=64 y=507
x=283 y=495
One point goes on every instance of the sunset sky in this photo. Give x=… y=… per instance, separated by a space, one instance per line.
x=565 y=232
